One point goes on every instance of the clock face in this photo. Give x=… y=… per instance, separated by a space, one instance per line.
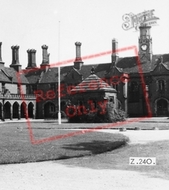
x=144 y=47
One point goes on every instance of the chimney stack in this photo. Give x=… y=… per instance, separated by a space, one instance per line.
x=78 y=60
x=31 y=58
x=1 y=62
x=45 y=56
x=114 y=56
x=15 y=58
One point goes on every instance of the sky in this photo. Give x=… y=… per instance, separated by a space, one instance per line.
x=60 y=23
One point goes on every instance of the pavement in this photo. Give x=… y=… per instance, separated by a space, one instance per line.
x=143 y=136
x=145 y=120
x=54 y=175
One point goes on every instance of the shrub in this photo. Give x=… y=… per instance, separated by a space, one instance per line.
x=112 y=115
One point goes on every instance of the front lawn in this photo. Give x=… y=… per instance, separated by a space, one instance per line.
x=16 y=147
x=119 y=159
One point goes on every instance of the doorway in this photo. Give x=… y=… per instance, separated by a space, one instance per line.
x=162 y=108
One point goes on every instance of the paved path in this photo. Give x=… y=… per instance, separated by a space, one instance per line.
x=143 y=136
x=55 y=176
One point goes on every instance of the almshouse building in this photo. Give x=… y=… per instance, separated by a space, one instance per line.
x=13 y=103
x=141 y=82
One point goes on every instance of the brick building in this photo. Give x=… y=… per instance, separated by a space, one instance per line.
x=141 y=82
x=13 y=103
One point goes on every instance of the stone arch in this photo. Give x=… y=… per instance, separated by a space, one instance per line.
x=30 y=110
x=49 y=109
x=23 y=110
x=16 y=110
x=7 y=110
x=162 y=107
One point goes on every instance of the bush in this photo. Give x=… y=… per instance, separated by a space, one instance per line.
x=115 y=115
x=112 y=115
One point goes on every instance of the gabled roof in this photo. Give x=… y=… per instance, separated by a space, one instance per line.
x=49 y=76
x=41 y=76
x=33 y=75
x=124 y=65
x=4 y=77
x=141 y=68
x=127 y=62
x=91 y=84
x=10 y=75
x=166 y=65
x=65 y=70
x=85 y=70
x=131 y=65
x=102 y=69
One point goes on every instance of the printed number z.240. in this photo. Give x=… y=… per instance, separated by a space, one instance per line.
x=142 y=161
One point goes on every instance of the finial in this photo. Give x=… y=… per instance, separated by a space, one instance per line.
x=161 y=59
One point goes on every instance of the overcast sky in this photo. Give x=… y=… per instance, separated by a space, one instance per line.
x=32 y=23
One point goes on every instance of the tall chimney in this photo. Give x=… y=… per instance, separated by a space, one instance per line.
x=78 y=60
x=31 y=58
x=15 y=58
x=1 y=62
x=45 y=56
x=114 y=56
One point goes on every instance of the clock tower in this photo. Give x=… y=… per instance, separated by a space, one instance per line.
x=145 y=43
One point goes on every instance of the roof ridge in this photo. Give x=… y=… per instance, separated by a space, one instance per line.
x=77 y=71
x=10 y=77
x=41 y=76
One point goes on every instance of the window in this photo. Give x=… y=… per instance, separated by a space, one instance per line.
x=161 y=85
x=112 y=99
x=52 y=108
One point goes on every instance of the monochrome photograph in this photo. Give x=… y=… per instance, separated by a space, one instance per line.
x=84 y=95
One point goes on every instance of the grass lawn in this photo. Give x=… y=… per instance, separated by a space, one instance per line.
x=119 y=159
x=15 y=145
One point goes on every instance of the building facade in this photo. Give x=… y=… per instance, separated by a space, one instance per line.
x=141 y=82
x=14 y=100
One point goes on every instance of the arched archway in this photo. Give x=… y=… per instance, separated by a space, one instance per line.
x=162 y=109
x=7 y=110
x=49 y=110
x=16 y=110
x=30 y=110
x=23 y=110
